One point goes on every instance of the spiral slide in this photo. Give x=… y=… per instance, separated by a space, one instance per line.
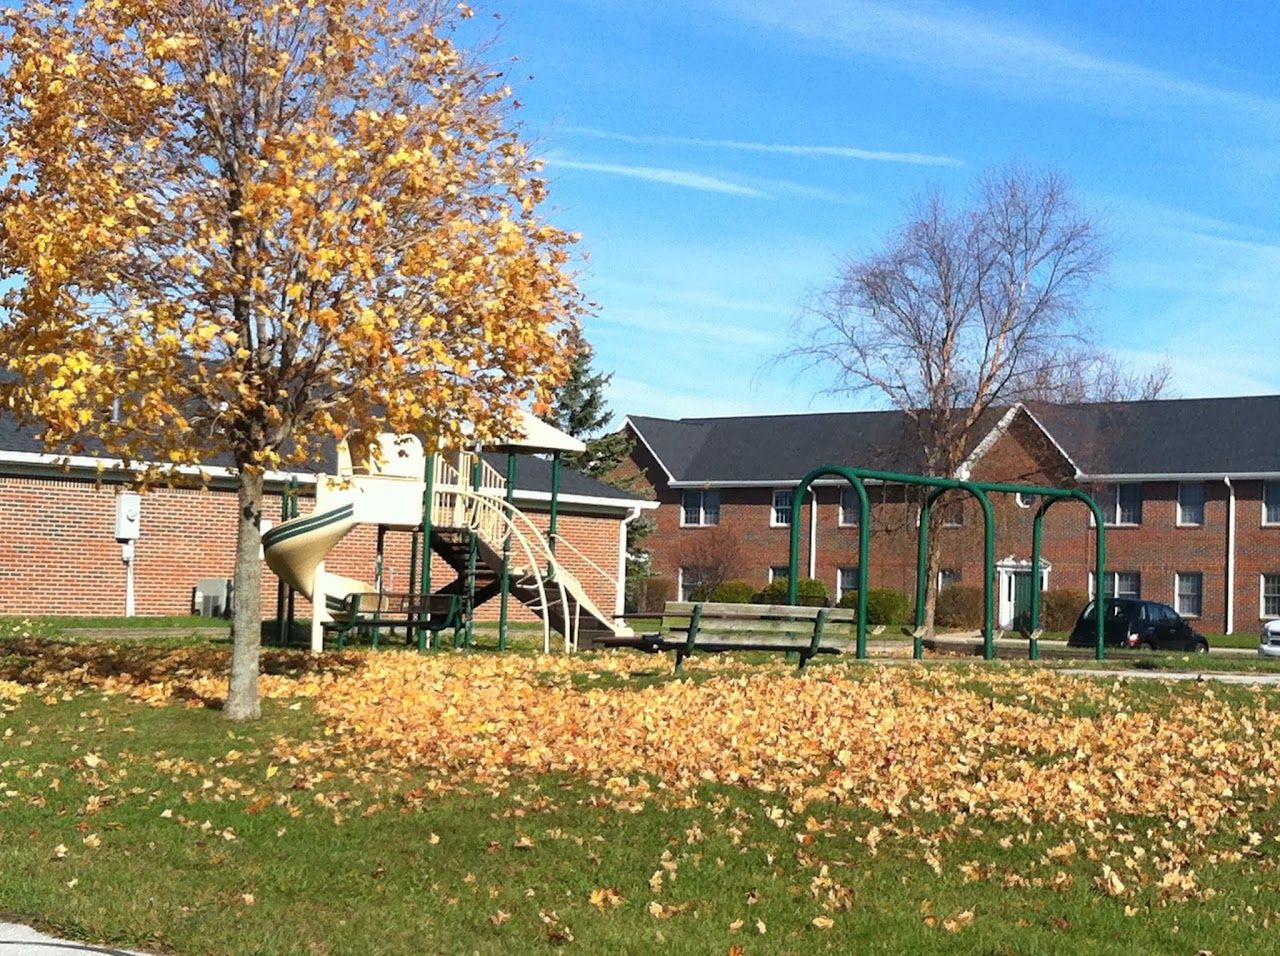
x=387 y=492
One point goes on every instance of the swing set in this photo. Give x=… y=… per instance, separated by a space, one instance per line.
x=980 y=490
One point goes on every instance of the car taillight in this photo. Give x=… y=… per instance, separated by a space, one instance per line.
x=1132 y=639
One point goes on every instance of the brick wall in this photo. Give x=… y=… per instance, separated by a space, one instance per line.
x=58 y=554
x=1157 y=548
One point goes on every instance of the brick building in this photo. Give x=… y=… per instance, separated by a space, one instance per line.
x=1191 y=489
x=59 y=554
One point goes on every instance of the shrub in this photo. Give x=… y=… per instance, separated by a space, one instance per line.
x=733 y=592
x=650 y=594
x=809 y=591
x=959 y=607
x=884 y=605
x=1060 y=607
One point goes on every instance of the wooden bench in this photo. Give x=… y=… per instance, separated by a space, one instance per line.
x=368 y=612
x=713 y=628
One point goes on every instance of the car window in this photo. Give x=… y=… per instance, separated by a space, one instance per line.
x=1169 y=615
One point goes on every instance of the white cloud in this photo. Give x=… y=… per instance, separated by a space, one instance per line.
x=661 y=174
x=987 y=49
x=786 y=149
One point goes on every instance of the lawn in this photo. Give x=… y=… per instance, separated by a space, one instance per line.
x=397 y=803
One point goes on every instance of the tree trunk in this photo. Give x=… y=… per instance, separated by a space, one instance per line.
x=932 y=568
x=246 y=636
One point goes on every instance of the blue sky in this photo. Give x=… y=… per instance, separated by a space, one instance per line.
x=722 y=157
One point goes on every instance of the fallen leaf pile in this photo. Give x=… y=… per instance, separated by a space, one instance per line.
x=1141 y=790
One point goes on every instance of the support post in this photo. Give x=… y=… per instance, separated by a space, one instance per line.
x=553 y=521
x=505 y=594
x=424 y=580
x=864 y=542
x=473 y=556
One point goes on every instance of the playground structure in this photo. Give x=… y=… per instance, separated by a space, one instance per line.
x=857 y=479
x=453 y=504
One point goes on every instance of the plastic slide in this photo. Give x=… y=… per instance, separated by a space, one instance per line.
x=387 y=493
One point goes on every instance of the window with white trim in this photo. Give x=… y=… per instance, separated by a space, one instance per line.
x=1128 y=504
x=780 y=514
x=850 y=508
x=779 y=572
x=692 y=580
x=846 y=581
x=1190 y=503
x=1121 y=584
x=1025 y=499
x=947 y=577
x=1188 y=591
x=699 y=509
x=1271 y=502
x=1271 y=595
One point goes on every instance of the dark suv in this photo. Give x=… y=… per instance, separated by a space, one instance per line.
x=1133 y=623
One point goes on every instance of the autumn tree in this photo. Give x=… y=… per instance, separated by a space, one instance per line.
x=262 y=226
x=962 y=310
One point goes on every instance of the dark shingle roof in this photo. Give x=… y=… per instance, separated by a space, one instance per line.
x=1191 y=436
x=779 y=447
x=1210 y=436
x=533 y=474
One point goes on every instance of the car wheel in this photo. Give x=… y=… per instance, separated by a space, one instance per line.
x=1148 y=646
x=1201 y=647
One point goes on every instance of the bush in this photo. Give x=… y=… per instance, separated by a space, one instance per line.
x=1060 y=607
x=650 y=594
x=884 y=605
x=959 y=607
x=810 y=592
x=733 y=592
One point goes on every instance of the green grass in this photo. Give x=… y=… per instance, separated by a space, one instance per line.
x=109 y=622
x=203 y=847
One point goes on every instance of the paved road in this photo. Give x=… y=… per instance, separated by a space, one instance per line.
x=1267 y=679
x=16 y=940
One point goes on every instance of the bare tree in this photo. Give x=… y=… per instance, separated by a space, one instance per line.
x=714 y=555
x=962 y=310
x=1091 y=375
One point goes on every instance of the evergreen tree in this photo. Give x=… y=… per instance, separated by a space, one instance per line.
x=579 y=408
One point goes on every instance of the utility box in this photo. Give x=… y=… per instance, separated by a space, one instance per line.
x=128 y=516
x=211 y=597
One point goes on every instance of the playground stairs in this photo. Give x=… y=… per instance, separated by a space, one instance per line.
x=536 y=578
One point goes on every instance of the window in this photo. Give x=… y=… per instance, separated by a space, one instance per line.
x=1122 y=584
x=846 y=581
x=1125 y=504
x=699 y=509
x=694 y=582
x=947 y=577
x=1191 y=503
x=850 y=508
x=1271 y=502
x=779 y=572
x=953 y=514
x=1188 y=588
x=1025 y=499
x=1271 y=595
x=780 y=516
x=1121 y=504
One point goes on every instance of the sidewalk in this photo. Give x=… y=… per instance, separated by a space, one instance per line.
x=18 y=940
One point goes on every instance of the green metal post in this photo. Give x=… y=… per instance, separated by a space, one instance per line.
x=864 y=542
x=506 y=556
x=424 y=580
x=553 y=521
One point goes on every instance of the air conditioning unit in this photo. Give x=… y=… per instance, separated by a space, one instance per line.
x=212 y=597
